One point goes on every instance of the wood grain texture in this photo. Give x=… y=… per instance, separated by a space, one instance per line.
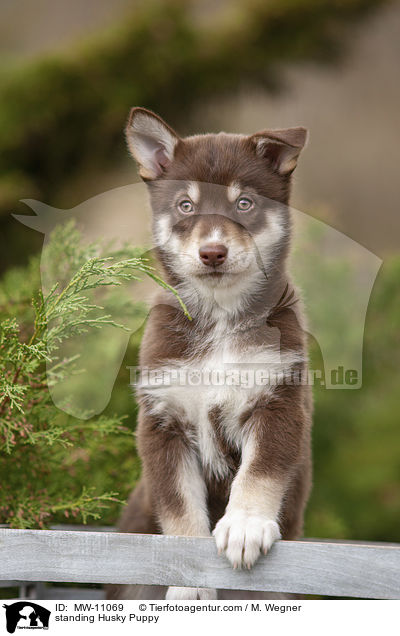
x=305 y=567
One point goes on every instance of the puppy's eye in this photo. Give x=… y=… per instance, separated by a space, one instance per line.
x=185 y=206
x=244 y=204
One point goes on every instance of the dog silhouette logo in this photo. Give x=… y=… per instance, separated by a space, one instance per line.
x=335 y=272
x=26 y=615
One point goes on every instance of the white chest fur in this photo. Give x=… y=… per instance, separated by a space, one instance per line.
x=228 y=378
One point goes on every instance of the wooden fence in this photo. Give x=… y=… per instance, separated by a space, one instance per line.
x=329 y=568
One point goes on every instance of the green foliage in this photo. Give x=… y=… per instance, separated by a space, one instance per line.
x=356 y=433
x=42 y=448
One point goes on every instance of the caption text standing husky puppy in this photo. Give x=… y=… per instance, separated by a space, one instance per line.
x=226 y=449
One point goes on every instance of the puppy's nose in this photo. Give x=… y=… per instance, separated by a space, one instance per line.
x=213 y=254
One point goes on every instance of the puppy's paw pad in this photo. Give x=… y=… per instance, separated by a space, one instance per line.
x=190 y=594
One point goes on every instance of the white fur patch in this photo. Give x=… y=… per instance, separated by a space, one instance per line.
x=227 y=297
x=215 y=236
x=194 y=191
x=162 y=230
x=269 y=238
x=233 y=191
x=190 y=594
x=243 y=537
x=194 y=399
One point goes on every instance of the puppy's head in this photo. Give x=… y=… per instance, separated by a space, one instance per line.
x=219 y=201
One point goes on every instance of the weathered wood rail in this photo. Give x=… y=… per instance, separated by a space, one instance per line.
x=361 y=570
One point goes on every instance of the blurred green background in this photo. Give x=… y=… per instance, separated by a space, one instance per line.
x=69 y=73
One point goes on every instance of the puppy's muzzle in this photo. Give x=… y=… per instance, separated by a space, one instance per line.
x=213 y=254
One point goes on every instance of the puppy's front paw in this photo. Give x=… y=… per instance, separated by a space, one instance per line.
x=190 y=594
x=242 y=536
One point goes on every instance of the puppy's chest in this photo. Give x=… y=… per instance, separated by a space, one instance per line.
x=211 y=394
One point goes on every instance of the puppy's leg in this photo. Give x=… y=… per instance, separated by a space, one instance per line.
x=274 y=439
x=250 y=522
x=172 y=470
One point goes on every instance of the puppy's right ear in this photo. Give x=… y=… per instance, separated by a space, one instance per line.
x=151 y=142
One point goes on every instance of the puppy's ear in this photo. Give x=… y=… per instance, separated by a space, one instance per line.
x=281 y=147
x=150 y=141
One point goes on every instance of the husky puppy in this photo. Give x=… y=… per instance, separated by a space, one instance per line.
x=225 y=440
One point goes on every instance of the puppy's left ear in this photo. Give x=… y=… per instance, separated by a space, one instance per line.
x=281 y=147
x=151 y=142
